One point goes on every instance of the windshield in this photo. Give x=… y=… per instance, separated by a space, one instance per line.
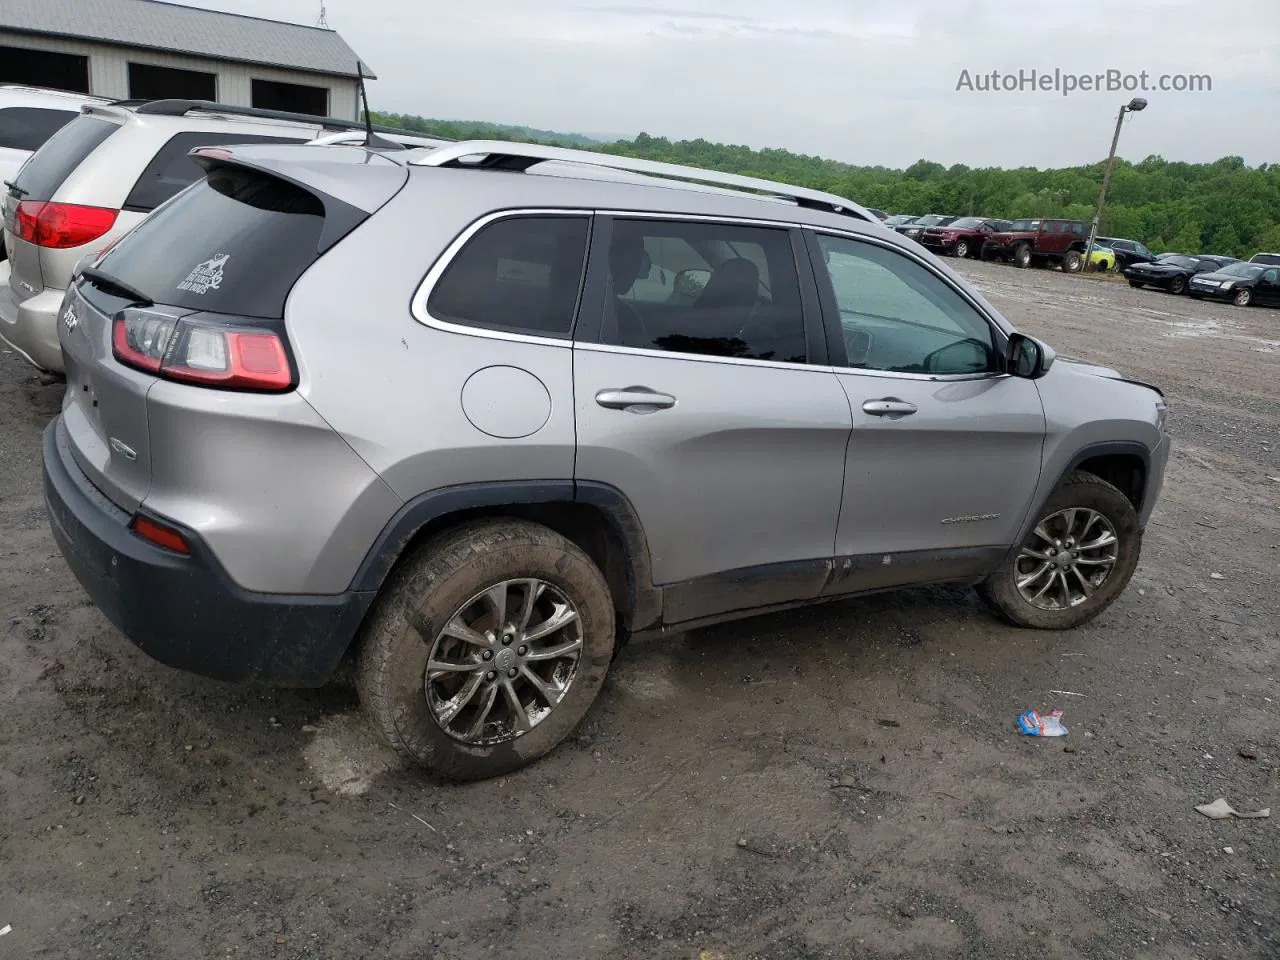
x=1178 y=261
x=898 y=219
x=1025 y=225
x=933 y=220
x=1266 y=258
x=1249 y=271
x=967 y=223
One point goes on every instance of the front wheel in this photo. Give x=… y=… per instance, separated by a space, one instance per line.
x=1178 y=285
x=1242 y=298
x=1071 y=261
x=488 y=647
x=1022 y=256
x=962 y=249
x=1076 y=561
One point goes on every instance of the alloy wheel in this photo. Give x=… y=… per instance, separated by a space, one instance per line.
x=1069 y=555
x=503 y=661
x=1241 y=298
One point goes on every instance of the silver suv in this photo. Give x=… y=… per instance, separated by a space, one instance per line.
x=96 y=178
x=474 y=415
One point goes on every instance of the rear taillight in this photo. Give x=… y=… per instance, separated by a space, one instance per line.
x=203 y=353
x=61 y=226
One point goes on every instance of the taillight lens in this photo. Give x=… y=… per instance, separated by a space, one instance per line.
x=159 y=534
x=198 y=352
x=61 y=226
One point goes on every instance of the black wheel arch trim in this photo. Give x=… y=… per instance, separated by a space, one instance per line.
x=645 y=604
x=1087 y=452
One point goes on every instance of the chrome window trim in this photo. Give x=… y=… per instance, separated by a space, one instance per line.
x=418 y=305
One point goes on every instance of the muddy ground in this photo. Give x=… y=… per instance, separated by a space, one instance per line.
x=840 y=782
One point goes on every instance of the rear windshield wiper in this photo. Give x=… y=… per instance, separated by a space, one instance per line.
x=15 y=188
x=109 y=283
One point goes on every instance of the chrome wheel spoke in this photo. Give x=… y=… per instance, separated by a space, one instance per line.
x=1043 y=533
x=1096 y=561
x=548 y=692
x=1030 y=578
x=482 y=712
x=1105 y=540
x=562 y=615
x=533 y=590
x=1084 y=582
x=519 y=714
x=441 y=667
x=1059 y=567
x=556 y=652
x=459 y=630
x=460 y=699
x=496 y=598
x=1043 y=590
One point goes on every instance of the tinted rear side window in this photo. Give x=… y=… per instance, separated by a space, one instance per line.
x=235 y=243
x=172 y=168
x=43 y=174
x=27 y=128
x=520 y=274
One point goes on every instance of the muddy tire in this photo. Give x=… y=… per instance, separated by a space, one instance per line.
x=1022 y=256
x=1178 y=286
x=1242 y=298
x=1071 y=261
x=517 y=624
x=1056 y=587
x=962 y=250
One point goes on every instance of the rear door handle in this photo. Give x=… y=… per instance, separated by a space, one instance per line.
x=631 y=397
x=888 y=407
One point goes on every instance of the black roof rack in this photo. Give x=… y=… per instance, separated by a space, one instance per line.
x=180 y=108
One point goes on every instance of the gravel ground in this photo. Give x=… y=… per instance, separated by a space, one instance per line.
x=843 y=781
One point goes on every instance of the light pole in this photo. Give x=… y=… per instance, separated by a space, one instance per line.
x=1133 y=106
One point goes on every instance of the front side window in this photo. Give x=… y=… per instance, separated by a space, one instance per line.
x=715 y=289
x=519 y=274
x=898 y=316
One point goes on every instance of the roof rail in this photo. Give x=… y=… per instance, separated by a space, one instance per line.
x=503 y=155
x=179 y=108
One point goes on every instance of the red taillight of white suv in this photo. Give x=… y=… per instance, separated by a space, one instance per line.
x=61 y=226
x=202 y=352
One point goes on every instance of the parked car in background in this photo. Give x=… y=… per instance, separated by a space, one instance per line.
x=1127 y=252
x=1240 y=283
x=962 y=237
x=898 y=219
x=918 y=226
x=97 y=177
x=1101 y=258
x=28 y=117
x=1271 y=258
x=1172 y=273
x=226 y=483
x=878 y=214
x=1040 y=242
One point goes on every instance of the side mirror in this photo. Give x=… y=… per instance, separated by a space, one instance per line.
x=691 y=282
x=1025 y=357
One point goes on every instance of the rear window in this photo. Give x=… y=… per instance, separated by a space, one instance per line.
x=172 y=168
x=43 y=174
x=234 y=243
x=26 y=128
x=1266 y=258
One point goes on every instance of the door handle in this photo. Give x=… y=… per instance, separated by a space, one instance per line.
x=629 y=397
x=888 y=407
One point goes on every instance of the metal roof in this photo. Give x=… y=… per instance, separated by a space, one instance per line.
x=171 y=27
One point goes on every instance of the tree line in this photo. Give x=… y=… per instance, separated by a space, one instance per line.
x=1223 y=207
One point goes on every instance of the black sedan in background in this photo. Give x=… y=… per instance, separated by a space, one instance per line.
x=1128 y=252
x=898 y=219
x=1172 y=273
x=1240 y=283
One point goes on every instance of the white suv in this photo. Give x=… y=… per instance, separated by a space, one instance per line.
x=28 y=117
x=95 y=179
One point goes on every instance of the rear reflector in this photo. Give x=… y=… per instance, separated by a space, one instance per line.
x=60 y=226
x=203 y=353
x=159 y=534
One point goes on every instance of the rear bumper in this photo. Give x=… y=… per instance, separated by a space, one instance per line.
x=30 y=326
x=184 y=611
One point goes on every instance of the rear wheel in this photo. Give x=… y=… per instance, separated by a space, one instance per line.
x=487 y=649
x=962 y=249
x=1178 y=285
x=1242 y=298
x=1071 y=261
x=1022 y=256
x=1077 y=559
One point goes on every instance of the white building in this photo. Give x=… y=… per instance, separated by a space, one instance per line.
x=151 y=50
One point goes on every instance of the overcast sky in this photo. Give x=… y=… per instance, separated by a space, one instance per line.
x=863 y=82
